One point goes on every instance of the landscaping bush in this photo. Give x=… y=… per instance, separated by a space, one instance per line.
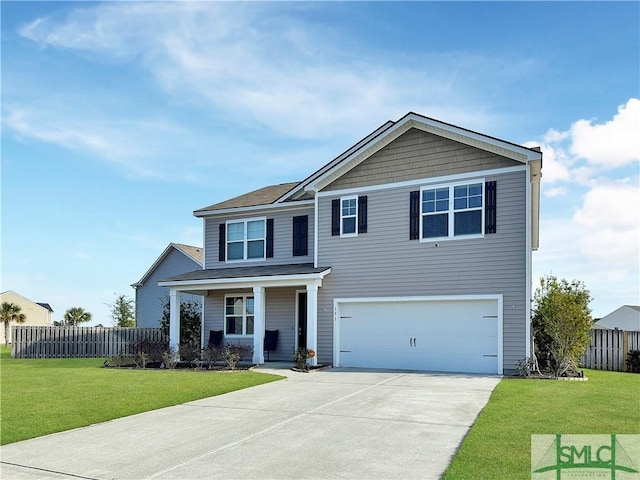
x=300 y=358
x=190 y=352
x=151 y=350
x=234 y=352
x=633 y=361
x=213 y=354
x=170 y=359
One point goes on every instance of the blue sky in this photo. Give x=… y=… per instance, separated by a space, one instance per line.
x=121 y=118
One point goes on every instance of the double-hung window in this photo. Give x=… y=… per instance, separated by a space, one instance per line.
x=246 y=239
x=238 y=315
x=348 y=215
x=452 y=211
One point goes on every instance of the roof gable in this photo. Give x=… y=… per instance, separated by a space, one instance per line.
x=37 y=304
x=193 y=253
x=366 y=149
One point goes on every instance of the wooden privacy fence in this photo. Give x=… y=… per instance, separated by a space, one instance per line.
x=609 y=348
x=78 y=342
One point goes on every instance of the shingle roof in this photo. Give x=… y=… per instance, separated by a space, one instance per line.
x=194 y=252
x=45 y=305
x=245 y=272
x=262 y=196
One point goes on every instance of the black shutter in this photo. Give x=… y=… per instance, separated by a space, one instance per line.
x=335 y=217
x=490 y=198
x=414 y=215
x=300 y=236
x=269 y=237
x=222 y=243
x=362 y=214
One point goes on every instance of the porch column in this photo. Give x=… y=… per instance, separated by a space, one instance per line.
x=312 y=321
x=174 y=318
x=258 y=325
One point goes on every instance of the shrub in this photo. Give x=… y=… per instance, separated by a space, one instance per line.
x=141 y=359
x=152 y=349
x=170 y=358
x=234 y=352
x=213 y=354
x=300 y=358
x=633 y=361
x=561 y=322
x=190 y=352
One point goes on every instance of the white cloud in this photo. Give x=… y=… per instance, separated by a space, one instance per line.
x=613 y=204
x=277 y=70
x=611 y=144
x=588 y=149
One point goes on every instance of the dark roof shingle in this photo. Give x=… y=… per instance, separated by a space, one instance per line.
x=262 y=196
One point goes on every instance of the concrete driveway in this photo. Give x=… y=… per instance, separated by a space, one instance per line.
x=340 y=423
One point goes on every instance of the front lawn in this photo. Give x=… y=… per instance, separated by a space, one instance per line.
x=498 y=445
x=39 y=397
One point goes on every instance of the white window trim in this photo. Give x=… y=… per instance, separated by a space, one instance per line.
x=245 y=240
x=451 y=211
x=244 y=297
x=355 y=233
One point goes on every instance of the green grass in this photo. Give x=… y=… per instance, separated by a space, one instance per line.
x=498 y=445
x=39 y=397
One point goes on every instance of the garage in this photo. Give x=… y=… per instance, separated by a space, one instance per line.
x=447 y=334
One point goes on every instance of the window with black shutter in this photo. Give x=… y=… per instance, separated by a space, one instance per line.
x=300 y=236
x=452 y=211
x=490 y=210
x=269 y=251
x=222 y=242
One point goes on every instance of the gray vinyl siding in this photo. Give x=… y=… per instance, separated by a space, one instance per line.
x=384 y=262
x=418 y=154
x=149 y=296
x=279 y=315
x=282 y=238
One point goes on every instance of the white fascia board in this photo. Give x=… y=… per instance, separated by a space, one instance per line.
x=255 y=208
x=483 y=142
x=248 y=282
x=424 y=181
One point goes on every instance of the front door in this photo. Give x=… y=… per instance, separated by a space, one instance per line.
x=302 y=319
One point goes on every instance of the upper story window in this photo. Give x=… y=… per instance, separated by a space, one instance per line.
x=246 y=239
x=349 y=216
x=451 y=211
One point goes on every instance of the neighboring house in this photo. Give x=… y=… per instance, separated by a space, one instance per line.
x=410 y=250
x=36 y=313
x=626 y=317
x=176 y=259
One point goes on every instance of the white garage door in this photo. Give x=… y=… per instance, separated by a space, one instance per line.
x=437 y=335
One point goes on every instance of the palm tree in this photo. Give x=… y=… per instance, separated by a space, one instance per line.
x=10 y=312
x=76 y=315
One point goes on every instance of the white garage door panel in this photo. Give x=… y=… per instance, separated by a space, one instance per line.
x=447 y=335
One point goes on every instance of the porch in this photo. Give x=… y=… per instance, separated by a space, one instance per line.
x=241 y=303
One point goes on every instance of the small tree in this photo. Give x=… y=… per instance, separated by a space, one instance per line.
x=122 y=311
x=75 y=316
x=190 y=326
x=10 y=312
x=561 y=321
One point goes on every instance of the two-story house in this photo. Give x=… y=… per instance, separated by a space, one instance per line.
x=410 y=250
